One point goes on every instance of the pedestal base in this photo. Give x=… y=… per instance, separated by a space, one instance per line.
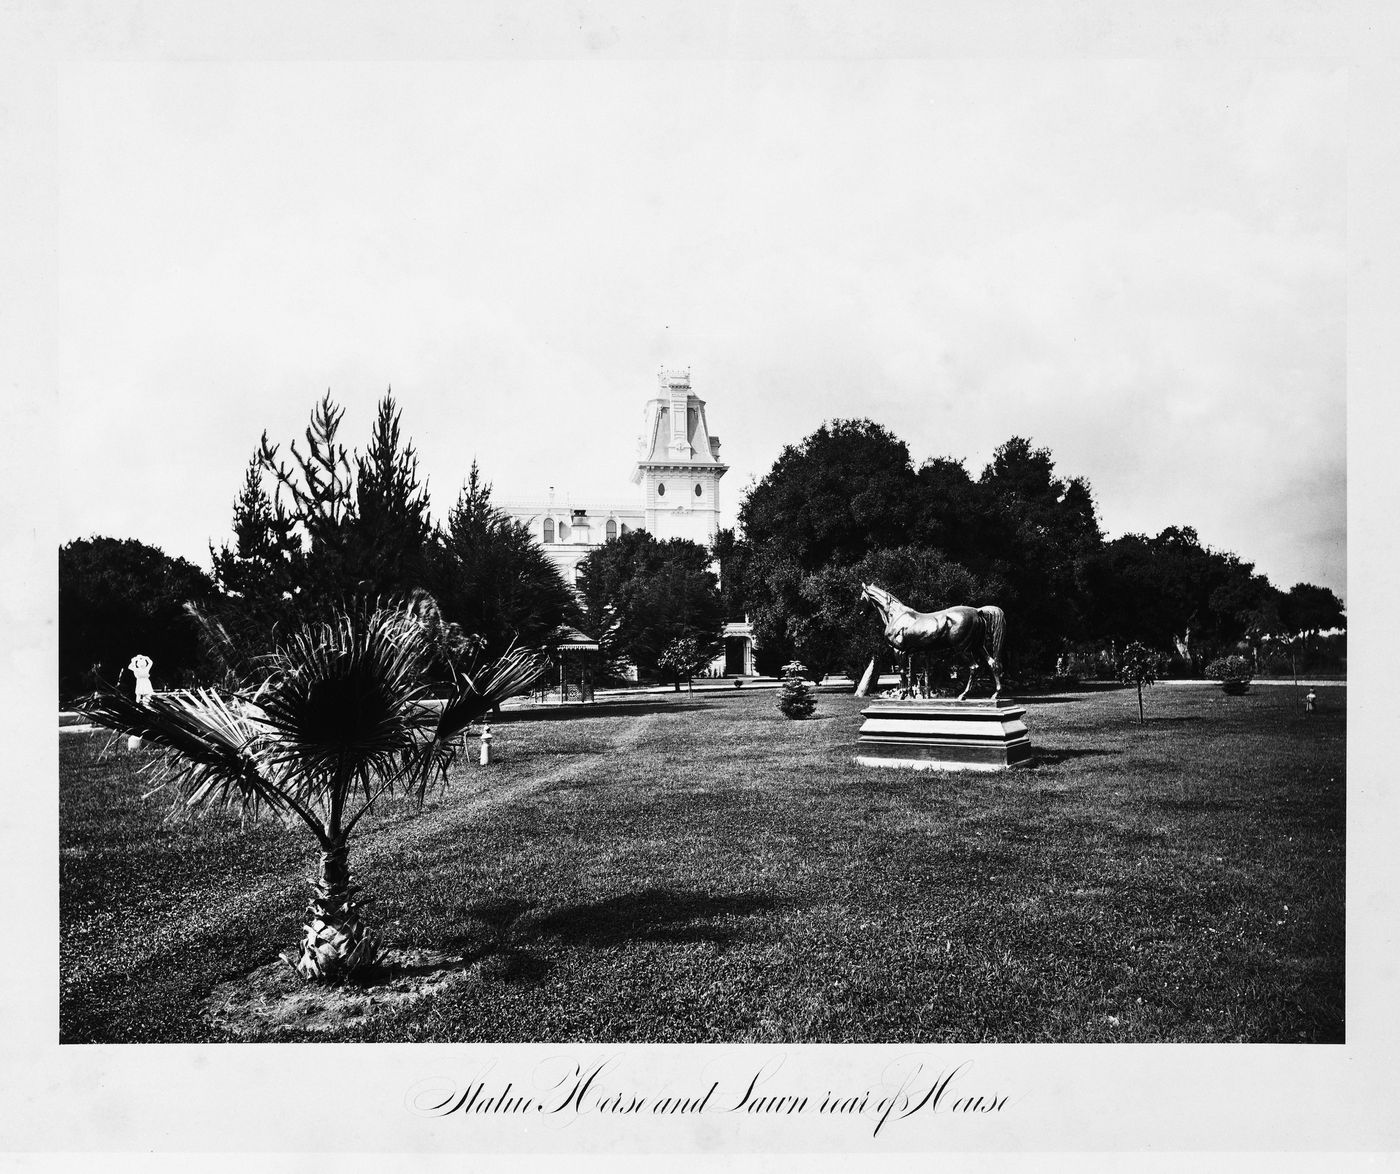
x=944 y=735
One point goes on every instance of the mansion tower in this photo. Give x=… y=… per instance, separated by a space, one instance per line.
x=678 y=469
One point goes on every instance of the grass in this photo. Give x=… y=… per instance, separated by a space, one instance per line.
x=696 y=868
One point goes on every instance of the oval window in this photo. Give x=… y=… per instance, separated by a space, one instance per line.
x=698 y=491
x=661 y=490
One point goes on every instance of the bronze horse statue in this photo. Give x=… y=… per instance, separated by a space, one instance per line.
x=973 y=634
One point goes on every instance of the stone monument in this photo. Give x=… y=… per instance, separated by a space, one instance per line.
x=140 y=667
x=927 y=733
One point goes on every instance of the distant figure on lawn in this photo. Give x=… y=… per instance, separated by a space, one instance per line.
x=973 y=634
x=140 y=668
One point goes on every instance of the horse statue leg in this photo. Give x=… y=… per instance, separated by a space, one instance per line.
x=971 y=676
x=996 y=677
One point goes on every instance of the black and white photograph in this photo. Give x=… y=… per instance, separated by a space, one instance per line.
x=752 y=580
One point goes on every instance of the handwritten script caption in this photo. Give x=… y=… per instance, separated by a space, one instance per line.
x=565 y=1090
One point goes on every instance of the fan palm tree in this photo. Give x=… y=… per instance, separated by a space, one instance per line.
x=339 y=720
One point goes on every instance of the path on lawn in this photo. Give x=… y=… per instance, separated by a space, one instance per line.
x=456 y=807
x=212 y=906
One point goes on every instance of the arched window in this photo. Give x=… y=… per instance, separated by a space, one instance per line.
x=661 y=489
x=549 y=529
x=611 y=529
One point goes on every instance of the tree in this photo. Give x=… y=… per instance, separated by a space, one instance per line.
x=959 y=516
x=848 y=488
x=681 y=659
x=491 y=577
x=734 y=557
x=337 y=724
x=1036 y=529
x=1307 y=610
x=334 y=529
x=1138 y=666
x=1172 y=591
x=845 y=490
x=388 y=538
x=639 y=594
x=118 y=597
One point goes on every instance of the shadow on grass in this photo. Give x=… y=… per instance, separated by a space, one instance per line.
x=673 y=915
x=500 y=949
x=596 y=709
x=505 y=929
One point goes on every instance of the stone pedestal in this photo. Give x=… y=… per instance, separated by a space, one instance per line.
x=944 y=735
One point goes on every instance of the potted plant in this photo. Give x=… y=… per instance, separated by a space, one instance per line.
x=1232 y=672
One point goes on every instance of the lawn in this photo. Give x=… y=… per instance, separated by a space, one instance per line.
x=696 y=868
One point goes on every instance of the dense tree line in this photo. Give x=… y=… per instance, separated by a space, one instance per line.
x=847 y=506
x=118 y=597
x=339 y=527
x=315 y=531
x=322 y=527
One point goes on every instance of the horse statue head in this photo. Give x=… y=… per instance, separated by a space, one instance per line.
x=876 y=596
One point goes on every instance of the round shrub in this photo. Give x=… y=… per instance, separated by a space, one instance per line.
x=1232 y=672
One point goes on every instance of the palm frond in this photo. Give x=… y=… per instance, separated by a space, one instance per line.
x=479 y=692
x=343 y=702
x=213 y=752
x=341 y=714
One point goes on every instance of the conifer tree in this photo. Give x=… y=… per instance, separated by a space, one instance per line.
x=796 y=697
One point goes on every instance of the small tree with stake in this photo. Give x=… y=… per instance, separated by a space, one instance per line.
x=1138 y=666
x=796 y=697
x=681 y=659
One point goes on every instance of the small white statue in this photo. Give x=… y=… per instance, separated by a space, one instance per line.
x=140 y=667
x=486 y=745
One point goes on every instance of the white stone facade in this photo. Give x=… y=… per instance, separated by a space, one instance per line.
x=678 y=470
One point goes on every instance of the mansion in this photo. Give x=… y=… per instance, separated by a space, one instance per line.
x=677 y=472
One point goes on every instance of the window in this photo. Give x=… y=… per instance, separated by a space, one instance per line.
x=612 y=528
x=699 y=490
x=549 y=529
x=563 y=532
x=661 y=489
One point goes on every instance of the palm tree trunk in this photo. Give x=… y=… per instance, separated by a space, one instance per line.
x=336 y=940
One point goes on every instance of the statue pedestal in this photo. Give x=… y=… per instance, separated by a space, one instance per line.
x=944 y=735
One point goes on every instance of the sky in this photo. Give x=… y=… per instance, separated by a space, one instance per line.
x=1139 y=265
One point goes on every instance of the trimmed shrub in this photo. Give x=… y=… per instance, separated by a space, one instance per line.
x=796 y=697
x=1232 y=672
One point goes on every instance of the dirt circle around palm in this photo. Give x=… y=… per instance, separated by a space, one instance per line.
x=274 y=999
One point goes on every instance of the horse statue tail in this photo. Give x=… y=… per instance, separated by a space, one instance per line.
x=994 y=624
